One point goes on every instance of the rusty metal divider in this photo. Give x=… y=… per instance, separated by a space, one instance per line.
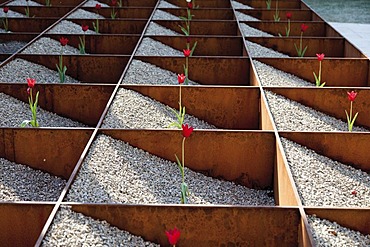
x=123 y=12
x=43 y=11
x=204 y=4
x=203 y=14
x=267 y=15
x=285 y=4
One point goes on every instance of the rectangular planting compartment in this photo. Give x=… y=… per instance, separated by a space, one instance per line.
x=117 y=26
x=124 y=12
x=71 y=101
x=335 y=72
x=207 y=70
x=11 y=43
x=286 y=4
x=43 y=11
x=61 y=2
x=268 y=15
x=22 y=223
x=30 y=25
x=227 y=28
x=203 y=4
x=203 y=14
x=332 y=47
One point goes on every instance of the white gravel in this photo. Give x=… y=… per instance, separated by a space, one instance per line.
x=140 y=72
x=49 y=46
x=327 y=233
x=293 y=116
x=164 y=4
x=243 y=17
x=324 y=182
x=256 y=50
x=238 y=5
x=17 y=70
x=68 y=27
x=83 y=14
x=151 y=47
x=162 y=15
x=92 y=3
x=131 y=109
x=23 y=3
x=155 y=29
x=249 y=31
x=22 y=183
x=270 y=76
x=11 y=47
x=14 y=111
x=115 y=172
x=70 y=228
x=11 y=14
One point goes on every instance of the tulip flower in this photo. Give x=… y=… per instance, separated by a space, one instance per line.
x=5 y=20
x=300 y=50
x=173 y=236
x=351 y=120
x=63 y=41
x=187 y=130
x=287 y=29
x=113 y=14
x=186 y=52
x=181 y=78
x=33 y=104
x=288 y=15
x=320 y=57
x=6 y=9
x=62 y=69
x=181 y=114
x=81 y=45
x=98 y=6
x=354 y=192
x=84 y=27
x=190 y=5
x=96 y=23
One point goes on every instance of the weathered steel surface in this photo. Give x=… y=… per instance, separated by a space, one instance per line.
x=348 y=148
x=224 y=107
x=124 y=12
x=204 y=3
x=202 y=225
x=116 y=26
x=21 y=223
x=268 y=15
x=42 y=11
x=206 y=46
x=62 y=2
x=286 y=4
x=249 y=160
x=55 y=151
x=227 y=28
x=207 y=70
x=30 y=25
x=204 y=14
x=332 y=101
x=8 y=37
x=335 y=72
x=304 y=233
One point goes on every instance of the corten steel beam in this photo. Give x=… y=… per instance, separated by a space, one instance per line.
x=335 y=72
x=349 y=148
x=85 y=68
x=357 y=219
x=332 y=101
x=332 y=47
x=30 y=25
x=55 y=151
x=224 y=107
x=102 y=43
x=203 y=14
x=206 y=46
x=67 y=100
x=203 y=225
x=224 y=28
x=316 y=29
x=249 y=161
x=43 y=11
x=141 y=3
x=203 y=3
x=123 y=13
x=268 y=15
x=286 y=4
x=116 y=26
x=61 y=2
x=304 y=233
x=207 y=70
x=21 y=223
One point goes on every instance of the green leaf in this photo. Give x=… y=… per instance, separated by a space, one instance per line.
x=354 y=119
x=25 y=123
x=296 y=48
x=304 y=50
x=184 y=30
x=183 y=18
x=179 y=164
x=193 y=48
x=348 y=119
x=322 y=85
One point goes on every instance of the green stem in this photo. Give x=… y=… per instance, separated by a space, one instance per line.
x=183 y=159
x=320 y=74
x=180 y=99
x=300 y=45
x=288 y=32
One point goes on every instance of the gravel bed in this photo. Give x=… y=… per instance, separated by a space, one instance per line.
x=83 y=14
x=115 y=172
x=140 y=72
x=155 y=29
x=92 y=3
x=243 y=17
x=14 y=111
x=249 y=31
x=133 y=110
x=70 y=228
x=3 y=31
x=162 y=15
x=164 y=4
x=22 y=183
x=238 y=5
x=328 y=233
x=11 y=14
x=256 y=50
x=151 y=47
x=49 y=46
x=324 y=182
x=68 y=27
x=292 y=116
x=23 y=3
x=17 y=70
x=270 y=76
x=11 y=47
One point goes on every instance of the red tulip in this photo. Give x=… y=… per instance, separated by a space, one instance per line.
x=31 y=82
x=187 y=52
x=288 y=15
x=114 y=2
x=173 y=236
x=190 y=5
x=181 y=78
x=186 y=130
x=304 y=27
x=63 y=41
x=188 y=39
x=84 y=27
x=97 y=6
x=352 y=96
x=320 y=57
x=354 y=192
x=6 y=9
